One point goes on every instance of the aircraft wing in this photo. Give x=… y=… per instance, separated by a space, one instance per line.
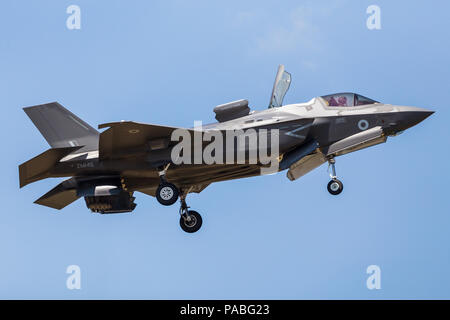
x=151 y=191
x=128 y=138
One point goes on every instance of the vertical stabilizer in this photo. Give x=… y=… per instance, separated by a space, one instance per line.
x=61 y=128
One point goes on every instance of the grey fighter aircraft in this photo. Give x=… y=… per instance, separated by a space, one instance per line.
x=107 y=167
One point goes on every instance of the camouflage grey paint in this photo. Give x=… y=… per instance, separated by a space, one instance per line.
x=128 y=156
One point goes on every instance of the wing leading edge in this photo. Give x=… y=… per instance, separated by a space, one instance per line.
x=128 y=137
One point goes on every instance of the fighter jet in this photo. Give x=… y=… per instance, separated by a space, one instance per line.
x=107 y=168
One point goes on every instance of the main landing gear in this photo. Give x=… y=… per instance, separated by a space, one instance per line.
x=167 y=194
x=190 y=220
x=335 y=186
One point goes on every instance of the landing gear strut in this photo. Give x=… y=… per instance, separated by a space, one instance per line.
x=190 y=220
x=335 y=186
x=166 y=193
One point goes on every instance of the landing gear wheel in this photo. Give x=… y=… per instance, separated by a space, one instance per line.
x=335 y=187
x=167 y=194
x=191 y=222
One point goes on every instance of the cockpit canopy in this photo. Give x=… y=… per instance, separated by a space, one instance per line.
x=347 y=99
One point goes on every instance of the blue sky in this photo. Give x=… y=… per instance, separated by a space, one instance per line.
x=171 y=62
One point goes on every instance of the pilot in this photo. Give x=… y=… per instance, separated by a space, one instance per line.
x=333 y=102
x=342 y=101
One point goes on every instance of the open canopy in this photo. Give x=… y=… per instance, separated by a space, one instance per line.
x=280 y=87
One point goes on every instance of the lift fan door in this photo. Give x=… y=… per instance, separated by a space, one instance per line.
x=280 y=87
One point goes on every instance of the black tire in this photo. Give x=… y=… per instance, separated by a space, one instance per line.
x=167 y=194
x=191 y=226
x=335 y=187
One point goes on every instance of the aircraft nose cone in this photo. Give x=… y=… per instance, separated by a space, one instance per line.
x=408 y=117
x=411 y=118
x=405 y=118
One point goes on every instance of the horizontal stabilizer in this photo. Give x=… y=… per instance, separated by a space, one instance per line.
x=39 y=167
x=60 y=196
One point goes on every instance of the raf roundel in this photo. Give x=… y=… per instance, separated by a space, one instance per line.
x=363 y=124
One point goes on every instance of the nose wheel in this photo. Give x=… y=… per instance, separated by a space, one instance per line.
x=335 y=186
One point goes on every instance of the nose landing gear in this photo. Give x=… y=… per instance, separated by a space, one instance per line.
x=335 y=186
